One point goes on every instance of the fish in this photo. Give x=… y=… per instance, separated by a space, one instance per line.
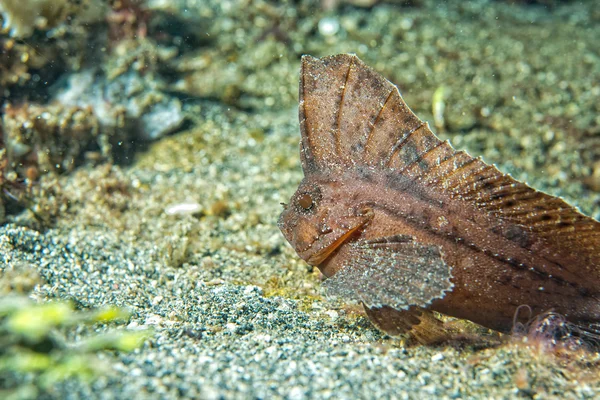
x=400 y=221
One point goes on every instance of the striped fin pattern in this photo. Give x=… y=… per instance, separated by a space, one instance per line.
x=350 y=116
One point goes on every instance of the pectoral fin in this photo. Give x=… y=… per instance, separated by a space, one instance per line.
x=416 y=322
x=394 y=271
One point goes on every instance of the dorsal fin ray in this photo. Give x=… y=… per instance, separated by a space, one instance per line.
x=550 y=218
x=351 y=116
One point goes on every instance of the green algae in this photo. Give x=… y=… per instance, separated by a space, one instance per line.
x=36 y=354
x=35 y=357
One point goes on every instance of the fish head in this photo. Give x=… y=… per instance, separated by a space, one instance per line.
x=320 y=217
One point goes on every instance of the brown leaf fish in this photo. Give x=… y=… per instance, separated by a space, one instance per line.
x=400 y=221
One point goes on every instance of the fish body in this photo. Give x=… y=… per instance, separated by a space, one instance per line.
x=400 y=221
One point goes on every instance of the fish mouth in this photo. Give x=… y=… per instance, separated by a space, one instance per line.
x=329 y=243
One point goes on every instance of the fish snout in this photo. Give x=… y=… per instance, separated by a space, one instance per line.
x=303 y=238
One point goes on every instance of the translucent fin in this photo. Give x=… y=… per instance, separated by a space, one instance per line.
x=394 y=271
x=349 y=114
x=391 y=321
x=590 y=333
x=322 y=88
x=416 y=322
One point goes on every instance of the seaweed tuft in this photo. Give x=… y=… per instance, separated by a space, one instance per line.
x=38 y=351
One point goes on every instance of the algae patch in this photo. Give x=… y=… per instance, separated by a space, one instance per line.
x=37 y=353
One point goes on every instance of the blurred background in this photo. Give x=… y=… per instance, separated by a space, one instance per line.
x=515 y=81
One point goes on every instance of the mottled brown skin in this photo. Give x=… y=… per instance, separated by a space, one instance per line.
x=487 y=287
x=506 y=245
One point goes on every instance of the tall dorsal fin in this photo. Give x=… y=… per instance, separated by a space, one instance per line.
x=551 y=218
x=351 y=116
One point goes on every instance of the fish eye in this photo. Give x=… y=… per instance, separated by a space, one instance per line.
x=305 y=201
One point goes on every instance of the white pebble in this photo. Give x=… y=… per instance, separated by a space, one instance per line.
x=332 y=314
x=153 y=319
x=183 y=209
x=329 y=26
